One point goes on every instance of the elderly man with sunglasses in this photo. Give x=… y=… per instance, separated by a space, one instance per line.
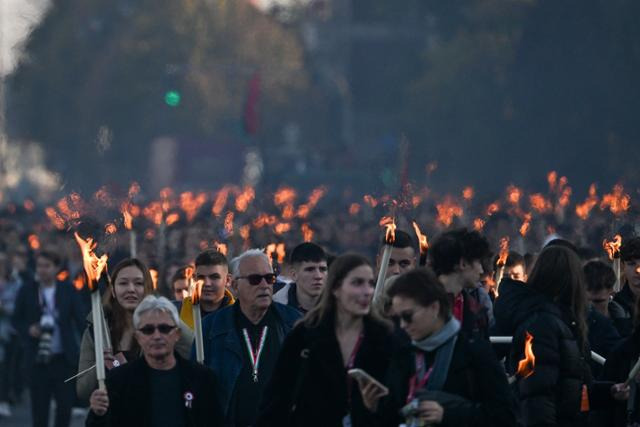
x=242 y=342
x=160 y=388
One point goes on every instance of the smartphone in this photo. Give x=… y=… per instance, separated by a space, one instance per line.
x=359 y=374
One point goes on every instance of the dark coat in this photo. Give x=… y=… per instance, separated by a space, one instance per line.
x=616 y=370
x=223 y=347
x=70 y=319
x=622 y=310
x=129 y=403
x=552 y=395
x=475 y=392
x=311 y=363
x=603 y=337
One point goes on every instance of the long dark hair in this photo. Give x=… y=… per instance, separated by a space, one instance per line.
x=116 y=314
x=558 y=274
x=326 y=307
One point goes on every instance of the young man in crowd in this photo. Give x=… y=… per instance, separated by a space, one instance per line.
x=309 y=271
x=403 y=254
x=242 y=342
x=630 y=264
x=600 y=283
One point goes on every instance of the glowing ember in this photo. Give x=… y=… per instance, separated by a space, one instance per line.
x=478 y=224
x=526 y=225
x=468 y=193
x=613 y=247
x=527 y=365
x=390 y=233
x=62 y=276
x=34 y=242
x=220 y=201
x=110 y=228
x=504 y=252
x=370 y=200
x=539 y=203
x=93 y=266
x=307 y=232
x=422 y=238
x=282 y=227
x=354 y=209
x=513 y=194
x=552 y=179
x=228 y=223
x=245 y=198
x=447 y=210
x=618 y=201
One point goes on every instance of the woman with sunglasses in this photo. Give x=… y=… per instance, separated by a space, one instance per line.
x=311 y=385
x=441 y=377
x=130 y=283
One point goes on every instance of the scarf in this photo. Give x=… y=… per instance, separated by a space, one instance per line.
x=443 y=343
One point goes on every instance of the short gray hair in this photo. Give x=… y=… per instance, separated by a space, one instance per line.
x=154 y=303
x=251 y=253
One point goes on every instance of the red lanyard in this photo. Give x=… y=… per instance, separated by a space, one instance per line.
x=351 y=364
x=414 y=383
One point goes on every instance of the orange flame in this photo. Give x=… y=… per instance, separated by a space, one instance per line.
x=416 y=200
x=565 y=196
x=126 y=215
x=618 y=202
x=154 y=212
x=307 y=232
x=526 y=225
x=552 y=179
x=57 y=221
x=222 y=248
x=287 y=212
x=245 y=198
x=172 y=218
x=244 y=231
x=514 y=194
x=154 y=278
x=527 y=365
x=390 y=232
x=79 y=282
x=220 y=201
x=93 y=266
x=29 y=205
x=110 y=228
x=539 y=203
x=493 y=208
x=284 y=196
x=468 y=193
x=194 y=286
x=584 y=209
x=191 y=204
x=422 y=238
x=34 y=242
x=270 y=250
x=370 y=200
x=314 y=198
x=280 y=252
x=447 y=210
x=103 y=196
x=282 y=227
x=354 y=209
x=228 y=223
x=504 y=252
x=478 y=224
x=613 y=247
x=62 y=276
x=264 y=219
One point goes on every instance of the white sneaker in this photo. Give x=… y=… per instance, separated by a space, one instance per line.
x=5 y=409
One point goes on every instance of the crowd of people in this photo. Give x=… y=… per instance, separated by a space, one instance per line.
x=312 y=342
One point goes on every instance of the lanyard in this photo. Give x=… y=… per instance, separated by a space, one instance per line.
x=350 y=364
x=414 y=383
x=254 y=355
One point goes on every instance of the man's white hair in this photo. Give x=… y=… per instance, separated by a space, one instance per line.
x=154 y=303
x=251 y=253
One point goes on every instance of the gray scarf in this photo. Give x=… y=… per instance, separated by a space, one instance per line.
x=443 y=342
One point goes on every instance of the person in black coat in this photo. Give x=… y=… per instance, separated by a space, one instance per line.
x=551 y=308
x=310 y=385
x=161 y=388
x=443 y=377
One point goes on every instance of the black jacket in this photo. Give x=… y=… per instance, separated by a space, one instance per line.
x=622 y=310
x=129 y=396
x=475 y=392
x=552 y=395
x=71 y=318
x=309 y=384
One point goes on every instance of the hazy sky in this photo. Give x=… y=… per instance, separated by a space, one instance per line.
x=16 y=18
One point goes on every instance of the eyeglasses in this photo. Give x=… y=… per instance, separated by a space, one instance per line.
x=163 y=328
x=407 y=316
x=256 y=279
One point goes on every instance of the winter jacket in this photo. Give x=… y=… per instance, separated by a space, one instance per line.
x=129 y=392
x=475 y=392
x=603 y=337
x=622 y=310
x=310 y=386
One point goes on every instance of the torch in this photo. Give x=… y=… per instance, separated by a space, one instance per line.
x=526 y=366
x=613 y=250
x=424 y=245
x=502 y=259
x=93 y=267
x=389 y=238
x=196 y=291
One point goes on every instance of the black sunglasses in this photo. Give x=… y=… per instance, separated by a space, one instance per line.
x=256 y=279
x=163 y=328
x=407 y=316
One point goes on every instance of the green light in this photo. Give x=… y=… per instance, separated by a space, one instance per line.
x=172 y=98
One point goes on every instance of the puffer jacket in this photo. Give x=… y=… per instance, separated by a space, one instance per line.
x=553 y=394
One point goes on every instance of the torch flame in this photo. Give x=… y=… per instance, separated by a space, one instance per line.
x=390 y=233
x=613 y=247
x=468 y=193
x=194 y=286
x=220 y=201
x=552 y=179
x=228 y=223
x=422 y=238
x=478 y=224
x=126 y=215
x=539 y=203
x=62 y=276
x=583 y=209
x=493 y=208
x=34 y=242
x=172 y=218
x=307 y=232
x=93 y=266
x=55 y=218
x=526 y=366
x=79 y=281
x=618 y=201
x=245 y=198
x=154 y=278
x=354 y=209
x=191 y=204
x=370 y=200
x=504 y=252
x=270 y=250
x=281 y=252
x=513 y=194
x=447 y=210
x=526 y=225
